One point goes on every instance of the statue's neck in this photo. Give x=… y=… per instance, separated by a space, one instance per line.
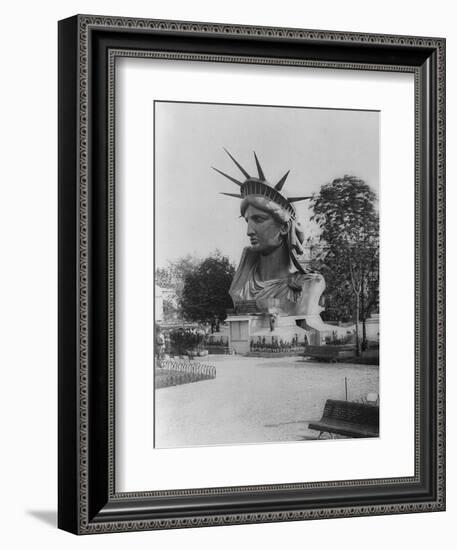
x=274 y=265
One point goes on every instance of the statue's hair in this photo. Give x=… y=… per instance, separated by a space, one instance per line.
x=270 y=207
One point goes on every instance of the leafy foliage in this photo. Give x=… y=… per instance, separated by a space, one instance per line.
x=205 y=292
x=173 y=275
x=349 y=248
x=182 y=340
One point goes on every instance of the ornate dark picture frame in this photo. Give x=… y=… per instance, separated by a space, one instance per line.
x=88 y=501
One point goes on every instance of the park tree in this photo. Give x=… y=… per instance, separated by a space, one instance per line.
x=205 y=296
x=172 y=276
x=345 y=211
x=174 y=273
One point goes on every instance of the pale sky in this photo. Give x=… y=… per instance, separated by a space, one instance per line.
x=316 y=145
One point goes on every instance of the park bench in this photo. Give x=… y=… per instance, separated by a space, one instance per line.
x=330 y=354
x=349 y=419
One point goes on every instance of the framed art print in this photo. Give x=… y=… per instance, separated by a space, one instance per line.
x=251 y=274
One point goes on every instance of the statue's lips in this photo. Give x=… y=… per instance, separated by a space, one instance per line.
x=254 y=241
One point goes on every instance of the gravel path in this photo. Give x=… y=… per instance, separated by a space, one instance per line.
x=255 y=400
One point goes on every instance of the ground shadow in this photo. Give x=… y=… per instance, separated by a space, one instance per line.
x=45 y=516
x=286 y=423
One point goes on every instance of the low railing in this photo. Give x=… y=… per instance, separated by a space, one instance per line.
x=170 y=372
x=217 y=348
x=277 y=349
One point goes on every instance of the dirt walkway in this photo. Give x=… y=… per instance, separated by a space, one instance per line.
x=255 y=400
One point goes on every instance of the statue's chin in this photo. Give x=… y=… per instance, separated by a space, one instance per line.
x=261 y=250
x=264 y=251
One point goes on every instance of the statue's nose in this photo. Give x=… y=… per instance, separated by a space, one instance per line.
x=250 y=230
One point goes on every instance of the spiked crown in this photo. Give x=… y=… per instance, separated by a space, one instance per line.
x=259 y=186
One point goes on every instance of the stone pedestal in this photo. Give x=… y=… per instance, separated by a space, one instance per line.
x=266 y=328
x=247 y=328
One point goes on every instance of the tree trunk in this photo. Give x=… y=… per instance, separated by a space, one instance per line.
x=356 y=288
x=364 y=335
x=363 y=314
x=357 y=339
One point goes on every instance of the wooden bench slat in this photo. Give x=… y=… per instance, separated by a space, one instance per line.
x=345 y=428
x=349 y=419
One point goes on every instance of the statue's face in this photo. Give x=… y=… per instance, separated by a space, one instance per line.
x=264 y=231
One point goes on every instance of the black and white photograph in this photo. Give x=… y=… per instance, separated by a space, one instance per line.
x=225 y=300
x=266 y=260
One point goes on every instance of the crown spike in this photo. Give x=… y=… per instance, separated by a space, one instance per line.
x=259 y=168
x=228 y=177
x=245 y=174
x=281 y=182
x=232 y=195
x=296 y=199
